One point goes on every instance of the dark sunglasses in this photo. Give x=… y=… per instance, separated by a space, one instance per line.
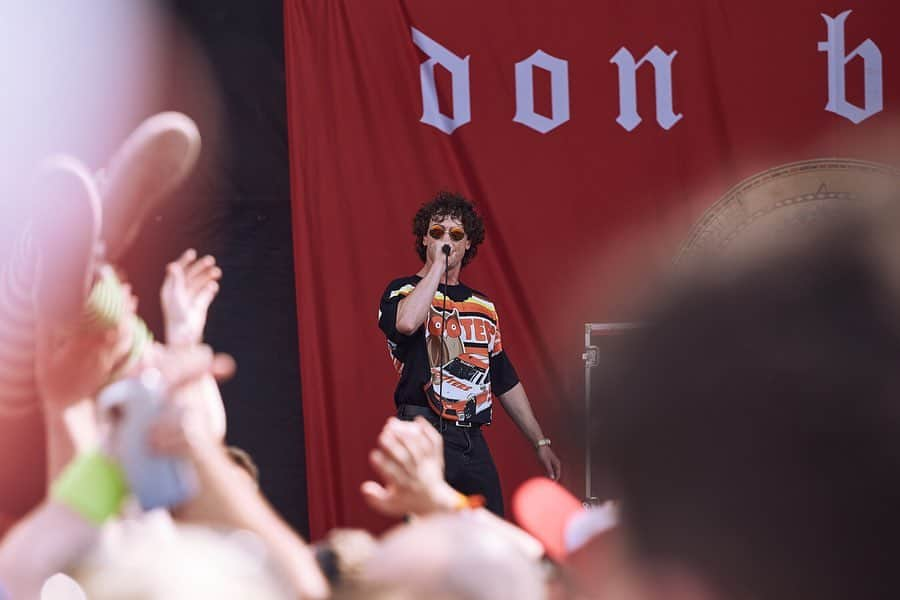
x=456 y=233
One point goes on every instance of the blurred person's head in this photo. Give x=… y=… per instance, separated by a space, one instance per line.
x=145 y=562
x=455 y=556
x=576 y=538
x=343 y=553
x=387 y=591
x=751 y=426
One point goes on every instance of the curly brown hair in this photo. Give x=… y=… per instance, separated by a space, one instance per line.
x=448 y=204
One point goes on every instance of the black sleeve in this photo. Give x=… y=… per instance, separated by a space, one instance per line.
x=503 y=374
x=387 y=310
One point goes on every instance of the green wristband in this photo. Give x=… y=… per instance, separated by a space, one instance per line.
x=93 y=485
x=105 y=308
x=106 y=303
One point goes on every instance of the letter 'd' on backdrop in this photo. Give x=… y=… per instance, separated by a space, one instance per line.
x=459 y=73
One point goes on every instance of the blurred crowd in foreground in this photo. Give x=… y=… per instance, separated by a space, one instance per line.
x=749 y=430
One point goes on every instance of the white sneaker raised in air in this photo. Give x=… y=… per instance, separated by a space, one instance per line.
x=66 y=236
x=151 y=162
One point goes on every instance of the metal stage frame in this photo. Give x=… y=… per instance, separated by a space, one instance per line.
x=591 y=359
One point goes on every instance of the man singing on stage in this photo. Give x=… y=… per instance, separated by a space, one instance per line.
x=445 y=340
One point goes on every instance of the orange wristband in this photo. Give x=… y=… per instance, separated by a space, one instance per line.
x=464 y=502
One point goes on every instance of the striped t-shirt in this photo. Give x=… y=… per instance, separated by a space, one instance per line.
x=453 y=363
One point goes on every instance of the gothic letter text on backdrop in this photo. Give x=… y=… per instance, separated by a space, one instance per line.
x=459 y=72
x=662 y=65
x=559 y=91
x=837 y=71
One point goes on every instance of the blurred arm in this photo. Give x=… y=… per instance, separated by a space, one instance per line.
x=230 y=498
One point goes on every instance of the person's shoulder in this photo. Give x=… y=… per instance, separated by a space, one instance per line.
x=481 y=298
x=401 y=286
x=478 y=294
x=472 y=292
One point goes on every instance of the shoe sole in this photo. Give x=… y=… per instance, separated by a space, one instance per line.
x=66 y=232
x=150 y=163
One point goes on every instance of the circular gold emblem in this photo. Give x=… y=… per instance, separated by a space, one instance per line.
x=770 y=205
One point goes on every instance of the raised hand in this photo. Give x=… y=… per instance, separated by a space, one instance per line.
x=189 y=423
x=183 y=427
x=190 y=286
x=75 y=365
x=182 y=367
x=410 y=461
x=70 y=368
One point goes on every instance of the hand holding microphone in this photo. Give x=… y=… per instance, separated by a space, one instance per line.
x=438 y=252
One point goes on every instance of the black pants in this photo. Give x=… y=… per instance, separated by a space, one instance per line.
x=468 y=465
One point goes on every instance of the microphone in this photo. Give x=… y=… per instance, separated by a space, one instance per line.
x=446 y=250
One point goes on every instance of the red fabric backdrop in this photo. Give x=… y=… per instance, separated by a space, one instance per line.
x=748 y=78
